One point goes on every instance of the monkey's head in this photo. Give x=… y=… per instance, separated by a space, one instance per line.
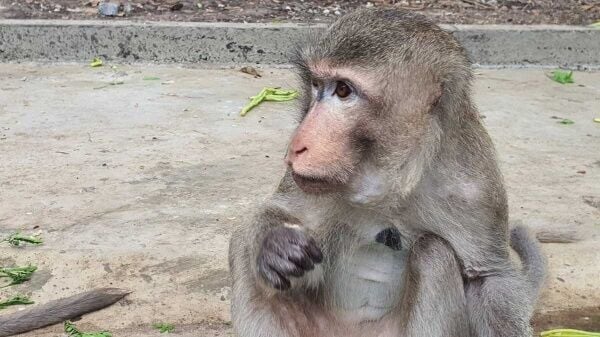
x=378 y=87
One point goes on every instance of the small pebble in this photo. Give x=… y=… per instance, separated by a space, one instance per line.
x=108 y=9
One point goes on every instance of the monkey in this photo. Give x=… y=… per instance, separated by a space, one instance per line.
x=391 y=218
x=59 y=310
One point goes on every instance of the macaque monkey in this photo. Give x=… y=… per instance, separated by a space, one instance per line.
x=392 y=217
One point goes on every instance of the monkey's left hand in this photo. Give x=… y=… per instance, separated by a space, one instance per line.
x=287 y=252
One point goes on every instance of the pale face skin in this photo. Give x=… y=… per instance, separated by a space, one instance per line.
x=322 y=154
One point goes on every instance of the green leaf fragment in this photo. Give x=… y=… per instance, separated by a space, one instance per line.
x=597 y=120
x=269 y=94
x=595 y=24
x=17 y=239
x=96 y=62
x=164 y=327
x=562 y=77
x=15 y=300
x=151 y=78
x=72 y=331
x=566 y=121
x=17 y=275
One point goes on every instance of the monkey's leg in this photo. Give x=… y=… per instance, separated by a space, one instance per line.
x=500 y=297
x=499 y=306
x=502 y=304
x=434 y=303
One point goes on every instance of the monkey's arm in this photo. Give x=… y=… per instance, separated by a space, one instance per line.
x=275 y=248
x=257 y=308
x=59 y=310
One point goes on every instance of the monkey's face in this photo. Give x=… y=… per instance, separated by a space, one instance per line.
x=328 y=144
x=358 y=129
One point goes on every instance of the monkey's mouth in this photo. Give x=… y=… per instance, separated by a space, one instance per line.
x=316 y=185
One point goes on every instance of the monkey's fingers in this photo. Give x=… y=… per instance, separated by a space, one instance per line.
x=314 y=251
x=300 y=257
x=306 y=243
x=287 y=260
x=272 y=277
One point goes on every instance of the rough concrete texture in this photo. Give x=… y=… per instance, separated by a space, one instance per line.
x=139 y=185
x=222 y=43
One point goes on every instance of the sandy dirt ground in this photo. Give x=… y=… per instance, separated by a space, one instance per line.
x=138 y=185
x=571 y=12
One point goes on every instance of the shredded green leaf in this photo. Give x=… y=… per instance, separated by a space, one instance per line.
x=151 y=78
x=596 y=120
x=72 y=331
x=562 y=76
x=568 y=333
x=17 y=239
x=164 y=327
x=269 y=94
x=566 y=121
x=96 y=62
x=17 y=275
x=15 y=300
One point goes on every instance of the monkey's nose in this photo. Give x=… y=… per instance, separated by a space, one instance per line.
x=294 y=153
x=301 y=151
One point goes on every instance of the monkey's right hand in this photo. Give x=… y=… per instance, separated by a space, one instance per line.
x=286 y=252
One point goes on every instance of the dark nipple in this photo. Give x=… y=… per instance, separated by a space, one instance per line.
x=390 y=237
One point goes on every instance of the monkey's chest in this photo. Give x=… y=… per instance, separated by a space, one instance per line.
x=367 y=283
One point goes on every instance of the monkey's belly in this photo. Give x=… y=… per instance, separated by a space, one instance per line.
x=369 y=282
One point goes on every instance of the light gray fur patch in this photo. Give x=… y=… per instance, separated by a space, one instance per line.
x=368 y=283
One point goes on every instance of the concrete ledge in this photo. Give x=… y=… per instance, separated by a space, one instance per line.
x=224 y=43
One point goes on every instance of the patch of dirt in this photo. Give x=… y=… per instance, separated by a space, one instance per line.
x=587 y=319
x=572 y=12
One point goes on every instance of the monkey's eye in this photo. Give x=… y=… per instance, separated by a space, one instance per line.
x=342 y=90
x=314 y=84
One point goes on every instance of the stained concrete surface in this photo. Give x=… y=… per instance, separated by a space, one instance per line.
x=575 y=47
x=138 y=185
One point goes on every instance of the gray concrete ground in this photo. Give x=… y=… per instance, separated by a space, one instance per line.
x=139 y=184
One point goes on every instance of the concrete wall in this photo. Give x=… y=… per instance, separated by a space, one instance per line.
x=223 y=43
